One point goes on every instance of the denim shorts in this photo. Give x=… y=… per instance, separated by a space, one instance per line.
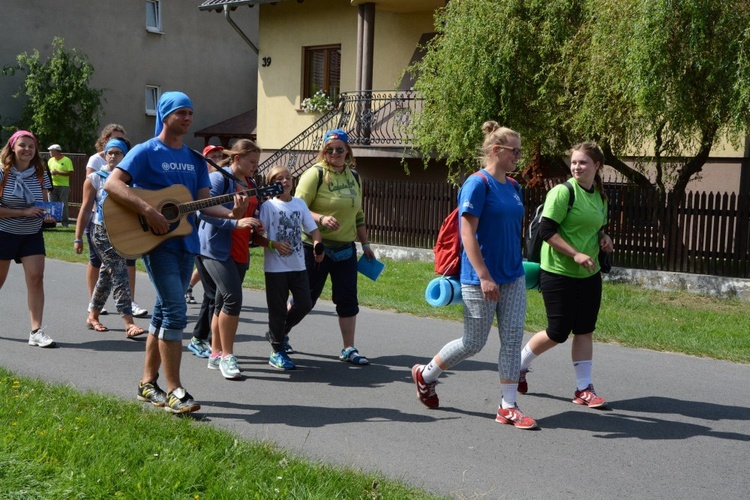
x=169 y=270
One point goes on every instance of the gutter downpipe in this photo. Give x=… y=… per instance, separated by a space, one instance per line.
x=229 y=19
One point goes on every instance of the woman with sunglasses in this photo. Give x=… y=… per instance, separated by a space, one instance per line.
x=95 y=163
x=493 y=284
x=113 y=273
x=332 y=192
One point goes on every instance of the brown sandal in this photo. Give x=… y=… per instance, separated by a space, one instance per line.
x=133 y=330
x=96 y=326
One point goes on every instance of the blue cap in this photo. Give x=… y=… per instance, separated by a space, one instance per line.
x=168 y=103
x=117 y=143
x=336 y=133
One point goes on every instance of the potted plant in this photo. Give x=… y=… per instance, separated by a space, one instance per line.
x=318 y=103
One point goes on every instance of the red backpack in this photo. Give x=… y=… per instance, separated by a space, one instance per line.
x=447 y=247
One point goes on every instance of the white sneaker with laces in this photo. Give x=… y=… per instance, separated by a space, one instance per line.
x=41 y=339
x=229 y=368
x=138 y=311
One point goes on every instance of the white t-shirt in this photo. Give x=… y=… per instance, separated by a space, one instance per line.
x=96 y=162
x=284 y=221
x=97 y=181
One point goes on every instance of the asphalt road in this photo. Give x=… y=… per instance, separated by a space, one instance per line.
x=677 y=427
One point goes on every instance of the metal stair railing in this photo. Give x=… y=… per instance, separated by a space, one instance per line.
x=300 y=152
x=369 y=117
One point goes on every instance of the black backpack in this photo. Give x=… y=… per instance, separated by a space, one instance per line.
x=533 y=240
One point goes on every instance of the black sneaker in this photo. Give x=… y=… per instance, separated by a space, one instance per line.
x=181 y=404
x=151 y=392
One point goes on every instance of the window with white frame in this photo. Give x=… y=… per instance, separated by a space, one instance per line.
x=153 y=92
x=153 y=16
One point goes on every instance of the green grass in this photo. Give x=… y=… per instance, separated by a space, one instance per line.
x=58 y=443
x=632 y=316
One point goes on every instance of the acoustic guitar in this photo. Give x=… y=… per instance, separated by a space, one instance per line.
x=131 y=235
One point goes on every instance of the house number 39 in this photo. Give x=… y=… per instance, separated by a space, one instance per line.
x=266 y=62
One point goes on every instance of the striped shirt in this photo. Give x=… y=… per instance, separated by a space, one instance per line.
x=21 y=225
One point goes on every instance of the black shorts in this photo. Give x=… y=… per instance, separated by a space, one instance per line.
x=572 y=304
x=17 y=246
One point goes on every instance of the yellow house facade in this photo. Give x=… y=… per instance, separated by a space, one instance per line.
x=371 y=44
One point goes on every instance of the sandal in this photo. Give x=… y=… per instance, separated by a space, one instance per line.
x=133 y=330
x=96 y=326
x=352 y=355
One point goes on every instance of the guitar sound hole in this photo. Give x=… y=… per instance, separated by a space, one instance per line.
x=170 y=212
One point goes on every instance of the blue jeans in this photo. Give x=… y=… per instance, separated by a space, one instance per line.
x=169 y=270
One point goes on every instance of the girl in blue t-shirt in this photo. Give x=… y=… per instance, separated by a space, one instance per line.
x=492 y=276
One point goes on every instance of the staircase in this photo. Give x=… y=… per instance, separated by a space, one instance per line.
x=370 y=118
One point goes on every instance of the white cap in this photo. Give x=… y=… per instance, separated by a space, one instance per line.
x=54 y=146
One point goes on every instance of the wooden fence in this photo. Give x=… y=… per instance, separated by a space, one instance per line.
x=703 y=233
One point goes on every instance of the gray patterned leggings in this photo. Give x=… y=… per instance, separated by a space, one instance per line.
x=113 y=275
x=478 y=316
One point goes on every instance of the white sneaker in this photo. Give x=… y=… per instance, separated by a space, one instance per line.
x=138 y=311
x=41 y=339
x=103 y=312
x=213 y=362
x=229 y=368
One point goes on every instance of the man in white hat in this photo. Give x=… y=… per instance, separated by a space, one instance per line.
x=61 y=169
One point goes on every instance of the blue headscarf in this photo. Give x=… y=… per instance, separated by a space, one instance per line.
x=117 y=143
x=168 y=103
x=335 y=134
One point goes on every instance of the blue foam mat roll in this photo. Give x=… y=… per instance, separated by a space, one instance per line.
x=443 y=291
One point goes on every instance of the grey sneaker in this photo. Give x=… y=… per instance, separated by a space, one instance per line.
x=229 y=368
x=180 y=401
x=152 y=393
x=41 y=339
x=213 y=362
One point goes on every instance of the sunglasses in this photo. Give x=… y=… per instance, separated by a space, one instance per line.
x=338 y=151
x=114 y=153
x=515 y=151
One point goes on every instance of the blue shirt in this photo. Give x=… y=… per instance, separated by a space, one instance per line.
x=500 y=211
x=216 y=234
x=154 y=165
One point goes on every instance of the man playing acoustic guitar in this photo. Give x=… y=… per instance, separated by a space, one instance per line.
x=158 y=163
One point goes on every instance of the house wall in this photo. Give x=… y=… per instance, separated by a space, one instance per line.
x=198 y=53
x=287 y=27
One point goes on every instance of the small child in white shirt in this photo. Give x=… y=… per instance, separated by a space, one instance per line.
x=284 y=219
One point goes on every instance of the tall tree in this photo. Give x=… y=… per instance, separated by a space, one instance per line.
x=661 y=79
x=665 y=79
x=59 y=106
x=493 y=59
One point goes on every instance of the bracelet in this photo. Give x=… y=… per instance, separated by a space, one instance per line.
x=77 y=241
x=320 y=220
x=270 y=244
x=365 y=245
